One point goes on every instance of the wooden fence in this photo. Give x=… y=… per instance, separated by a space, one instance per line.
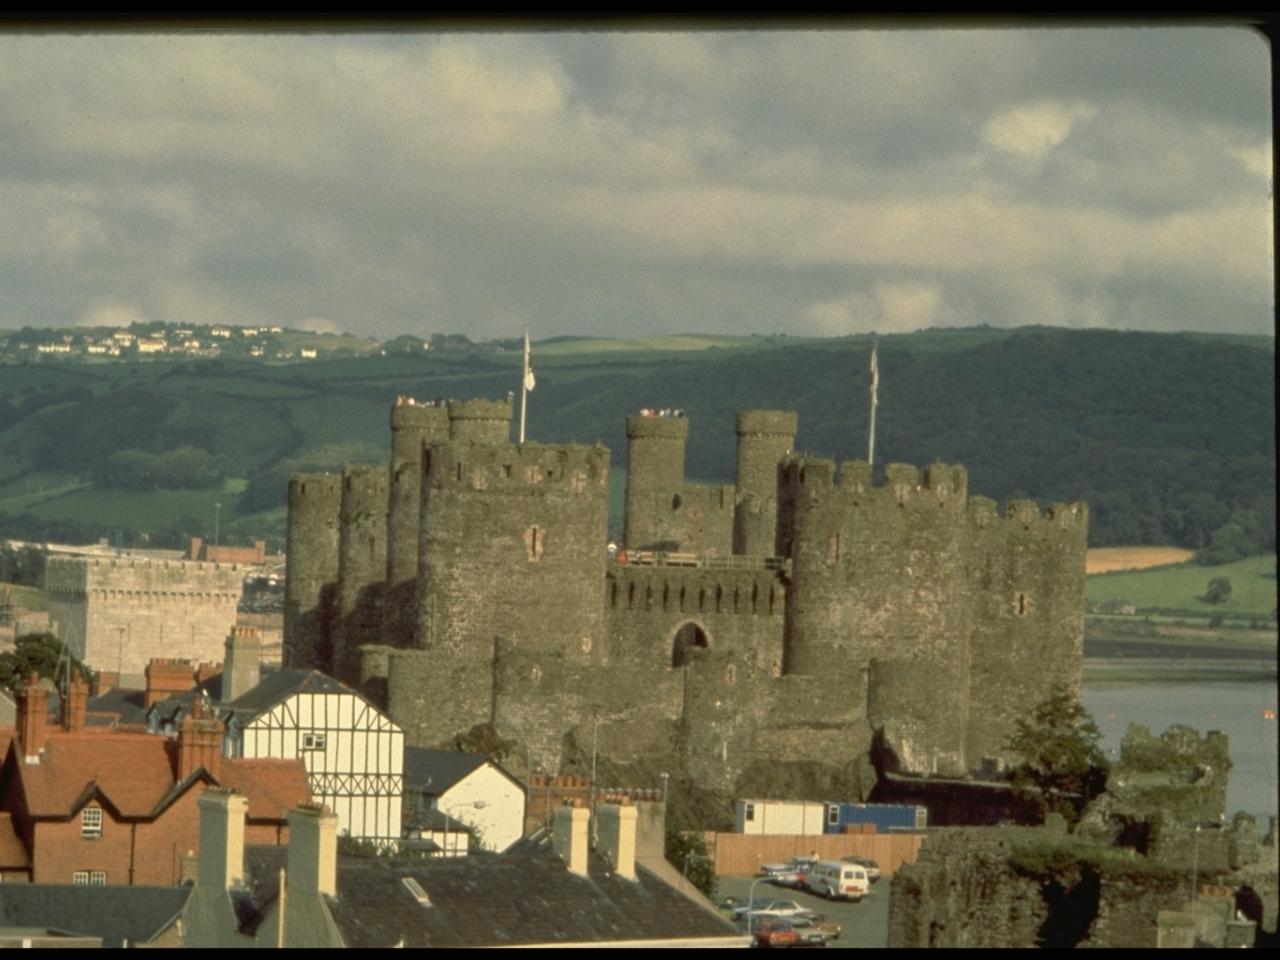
x=737 y=854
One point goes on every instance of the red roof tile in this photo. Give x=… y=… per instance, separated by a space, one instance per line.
x=272 y=787
x=133 y=771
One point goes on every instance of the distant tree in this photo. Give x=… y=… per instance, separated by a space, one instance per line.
x=687 y=852
x=1218 y=591
x=1063 y=766
x=38 y=653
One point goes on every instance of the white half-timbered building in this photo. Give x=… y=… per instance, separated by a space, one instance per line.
x=353 y=753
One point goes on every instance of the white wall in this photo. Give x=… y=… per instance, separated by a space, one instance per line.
x=500 y=823
x=775 y=817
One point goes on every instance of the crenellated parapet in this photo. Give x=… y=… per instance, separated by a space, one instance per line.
x=529 y=470
x=480 y=421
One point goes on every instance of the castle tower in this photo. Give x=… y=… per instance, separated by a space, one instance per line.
x=362 y=567
x=480 y=421
x=412 y=425
x=765 y=437
x=512 y=545
x=315 y=501
x=655 y=474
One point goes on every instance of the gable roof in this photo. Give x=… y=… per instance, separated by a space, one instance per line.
x=275 y=687
x=134 y=774
x=524 y=896
x=435 y=771
x=115 y=914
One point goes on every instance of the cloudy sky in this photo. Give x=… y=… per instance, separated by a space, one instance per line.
x=809 y=182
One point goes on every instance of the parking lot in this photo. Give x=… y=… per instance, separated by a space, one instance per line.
x=866 y=924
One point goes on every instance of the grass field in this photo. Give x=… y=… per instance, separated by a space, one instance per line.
x=140 y=511
x=1178 y=588
x=1111 y=559
x=25 y=598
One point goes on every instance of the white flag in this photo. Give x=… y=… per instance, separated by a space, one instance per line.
x=528 y=370
x=875 y=375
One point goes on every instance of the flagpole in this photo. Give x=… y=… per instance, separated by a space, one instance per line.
x=875 y=382
x=524 y=382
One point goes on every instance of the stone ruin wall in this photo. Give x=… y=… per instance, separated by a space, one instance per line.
x=905 y=605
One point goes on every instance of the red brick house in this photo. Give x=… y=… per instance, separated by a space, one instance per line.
x=102 y=806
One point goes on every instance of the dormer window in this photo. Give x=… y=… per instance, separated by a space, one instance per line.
x=91 y=823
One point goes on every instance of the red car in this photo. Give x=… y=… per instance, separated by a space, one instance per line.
x=770 y=933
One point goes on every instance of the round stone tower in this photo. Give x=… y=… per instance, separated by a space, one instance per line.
x=480 y=421
x=413 y=424
x=362 y=567
x=311 y=548
x=655 y=474
x=765 y=437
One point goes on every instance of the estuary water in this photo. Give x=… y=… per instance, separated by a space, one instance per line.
x=1244 y=710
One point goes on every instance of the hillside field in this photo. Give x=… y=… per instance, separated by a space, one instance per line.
x=1178 y=588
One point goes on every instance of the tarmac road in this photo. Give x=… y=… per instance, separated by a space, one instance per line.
x=866 y=924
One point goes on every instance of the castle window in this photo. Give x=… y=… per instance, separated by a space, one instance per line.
x=91 y=823
x=613 y=594
x=506 y=470
x=689 y=635
x=533 y=543
x=459 y=471
x=1023 y=605
x=730 y=675
x=675 y=502
x=833 y=548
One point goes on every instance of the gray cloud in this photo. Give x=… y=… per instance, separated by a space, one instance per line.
x=636 y=183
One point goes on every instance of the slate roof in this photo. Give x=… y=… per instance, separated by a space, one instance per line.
x=274 y=687
x=128 y=705
x=523 y=896
x=435 y=771
x=115 y=914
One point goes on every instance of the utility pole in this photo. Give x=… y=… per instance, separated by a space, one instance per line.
x=875 y=384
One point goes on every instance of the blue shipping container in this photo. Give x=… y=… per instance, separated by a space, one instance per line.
x=888 y=817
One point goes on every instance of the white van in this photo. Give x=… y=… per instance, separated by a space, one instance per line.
x=838 y=881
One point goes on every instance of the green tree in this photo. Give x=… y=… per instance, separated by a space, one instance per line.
x=687 y=852
x=1063 y=766
x=38 y=653
x=1218 y=591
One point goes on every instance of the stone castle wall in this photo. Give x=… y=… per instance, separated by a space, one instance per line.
x=117 y=614
x=905 y=607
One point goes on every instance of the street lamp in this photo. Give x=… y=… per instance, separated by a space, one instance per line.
x=217 y=515
x=751 y=900
x=474 y=804
x=666 y=778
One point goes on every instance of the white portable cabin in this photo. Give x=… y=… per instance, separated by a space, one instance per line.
x=778 y=817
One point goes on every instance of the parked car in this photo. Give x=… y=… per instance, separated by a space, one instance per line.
x=832 y=928
x=867 y=864
x=771 y=908
x=811 y=934
x=775 y=933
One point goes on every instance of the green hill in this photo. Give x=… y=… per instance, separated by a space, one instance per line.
x=1168 y=437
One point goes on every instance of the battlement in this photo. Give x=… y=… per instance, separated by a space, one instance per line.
x=982 y=513
x=510 y=468
x=652 y=426
x=692 y=591
x=409 y=414
x=903 y=482
x=314 y=486
x=72 y=572
x=480 y=409
x=362 y=481
x=781 y=422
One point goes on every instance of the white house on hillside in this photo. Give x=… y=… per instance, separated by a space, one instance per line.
x=445 y=788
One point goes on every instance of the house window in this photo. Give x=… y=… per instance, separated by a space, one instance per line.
x=833 y=814
x=750 y=812
x=97 y=878
x=91 y=823
x=80 y=878
x=314 y=741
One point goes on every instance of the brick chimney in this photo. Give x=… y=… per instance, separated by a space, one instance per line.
x=221 y=861
x=240 y=666
x=313 y=850
x=616 y=836
x=199 y=743
x=167 y=678
x=31 y=720
x=75 y=704
x=569 y=837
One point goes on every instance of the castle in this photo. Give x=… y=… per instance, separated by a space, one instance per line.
x=787 y=619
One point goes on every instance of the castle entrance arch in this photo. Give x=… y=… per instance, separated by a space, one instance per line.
x=688 y=635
